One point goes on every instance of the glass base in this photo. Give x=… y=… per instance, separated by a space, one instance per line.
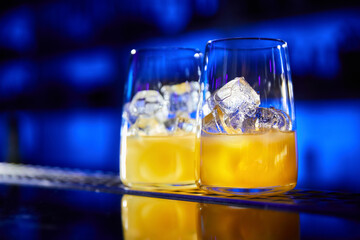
x=160 y=186
x=248 y=191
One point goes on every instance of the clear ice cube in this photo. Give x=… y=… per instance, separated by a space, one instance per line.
x=171 y=125
x=147 y=126
x=149 y=113
x=235 y=121
x=181 y=123
x=210 y=124
x=273 y=118
x=237 y=96
x=215 y=122
x=183 y=97
x=130 y=118
x=267 y=118
x=235 y=110
x=186 y=125
x=149 y=103
x=209 y=104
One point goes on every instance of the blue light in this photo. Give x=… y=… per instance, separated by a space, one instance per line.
x=86 y=139
x=171 y=16
x=87 y=131
x=315 y=41
x=17 y=29
x=83 y=70
x=207 y=7
x=195 y=39
x=314 y=226
x=4 y=138
x=78 y=26
x=15 y=77
x=174 y=17
x=70 y=20
x=328 y=145
x=88 y=69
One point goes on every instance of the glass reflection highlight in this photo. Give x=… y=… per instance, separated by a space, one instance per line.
x=152 y=218
x=156 y=218
x=227 y=222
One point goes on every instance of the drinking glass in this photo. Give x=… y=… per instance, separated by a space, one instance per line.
x=248 y=137
x=158 y=130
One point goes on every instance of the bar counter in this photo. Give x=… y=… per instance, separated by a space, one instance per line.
x=52 y=203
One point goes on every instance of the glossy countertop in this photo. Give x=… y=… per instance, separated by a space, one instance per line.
x=42 y=213
x=30 y=210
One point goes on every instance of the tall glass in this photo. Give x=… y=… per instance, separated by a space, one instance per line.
x=248 y=137
x=159 y=119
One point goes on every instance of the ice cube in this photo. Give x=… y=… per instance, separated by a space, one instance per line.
x=267 y=118
x=171 y=125
x=209 y=104
x=215 y=122
x=210 y=124
x=183 y=97
x=273 y=118
x=149 y=103
x=181 y=123
x=147 y=126
x=235 y=121
x=186 y=125
x=237 y=96
x=130 y=118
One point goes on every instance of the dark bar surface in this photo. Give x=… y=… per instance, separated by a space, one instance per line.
x=52 y=203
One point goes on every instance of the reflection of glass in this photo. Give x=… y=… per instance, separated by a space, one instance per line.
x=159 y=118
x=248 y=141
x=154 y=218
x=226 y=222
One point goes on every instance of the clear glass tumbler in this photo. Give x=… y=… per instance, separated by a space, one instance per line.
x=248 y=137
x=158 y=130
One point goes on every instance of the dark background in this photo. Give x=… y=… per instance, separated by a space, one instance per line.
x=63 y=65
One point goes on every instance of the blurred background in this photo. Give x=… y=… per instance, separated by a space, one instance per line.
x=63 y=65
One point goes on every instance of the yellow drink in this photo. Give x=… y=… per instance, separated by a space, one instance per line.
x=161 y=161
x=152 y=218
x=226 y=222
x=249 y=161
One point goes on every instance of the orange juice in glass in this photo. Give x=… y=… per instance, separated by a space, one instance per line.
x=160 y=160
x=249 y=161
x=248 y=138
x=158 y=131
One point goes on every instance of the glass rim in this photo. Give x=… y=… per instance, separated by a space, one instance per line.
x=281 y=42
x=163 y=48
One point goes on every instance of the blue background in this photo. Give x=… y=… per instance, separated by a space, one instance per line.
x=63 y=65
